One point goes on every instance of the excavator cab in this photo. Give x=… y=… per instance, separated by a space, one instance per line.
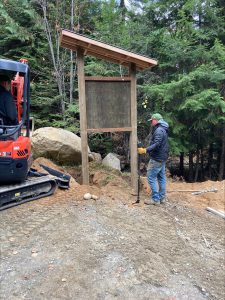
x=15 y=147
x=18 y=182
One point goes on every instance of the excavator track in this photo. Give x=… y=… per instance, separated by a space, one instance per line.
x=31 y=189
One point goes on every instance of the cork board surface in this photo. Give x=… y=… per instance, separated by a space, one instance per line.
x=108 y=104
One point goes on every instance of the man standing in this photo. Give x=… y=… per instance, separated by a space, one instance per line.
x=8 y=112
x=158 y=152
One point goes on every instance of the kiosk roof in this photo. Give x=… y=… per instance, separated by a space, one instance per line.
x=73 y=41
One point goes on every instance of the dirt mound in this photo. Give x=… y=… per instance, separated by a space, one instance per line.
x=211 y=193
x=113 y=184
x=48 y=163
x=76 y=191
x=183 y=191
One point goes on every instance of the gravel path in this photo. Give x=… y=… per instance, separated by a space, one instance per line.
x=109 y=249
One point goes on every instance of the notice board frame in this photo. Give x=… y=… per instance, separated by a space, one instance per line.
x=108 y=103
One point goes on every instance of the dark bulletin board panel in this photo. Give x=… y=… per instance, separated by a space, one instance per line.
x=108 y=104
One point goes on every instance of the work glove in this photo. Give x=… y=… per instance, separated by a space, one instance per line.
x=141 y=150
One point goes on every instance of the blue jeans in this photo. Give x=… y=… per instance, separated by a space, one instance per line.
x=157 y=179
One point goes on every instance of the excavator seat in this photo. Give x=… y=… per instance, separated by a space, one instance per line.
x=8 y=130
x=6 y=125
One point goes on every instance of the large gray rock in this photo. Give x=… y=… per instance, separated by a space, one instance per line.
x=60 y=145
x=111 y=161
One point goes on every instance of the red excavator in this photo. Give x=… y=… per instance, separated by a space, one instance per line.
x=18 y=182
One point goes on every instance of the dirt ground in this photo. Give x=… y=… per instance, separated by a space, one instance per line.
x=65 y=247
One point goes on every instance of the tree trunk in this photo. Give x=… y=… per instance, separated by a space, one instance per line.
x=122 y=3
x=181 y=164
x=191 y=169
x=202 y=175
x=222 y=156
x=123 y=8
x=55 y=57
x=210 y=159
x=197 y=166
x=71 y=55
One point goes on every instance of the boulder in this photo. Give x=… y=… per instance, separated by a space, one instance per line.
x=60 y=145
x=111 y=161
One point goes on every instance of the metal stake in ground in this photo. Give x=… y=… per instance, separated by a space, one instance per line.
x=139 y=175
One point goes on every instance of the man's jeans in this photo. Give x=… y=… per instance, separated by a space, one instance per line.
x=157 y=179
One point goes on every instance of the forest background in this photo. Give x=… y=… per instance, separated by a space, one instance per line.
x=187 y=38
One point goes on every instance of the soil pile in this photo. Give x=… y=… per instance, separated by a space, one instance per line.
x=113 y=184
x=198 y=194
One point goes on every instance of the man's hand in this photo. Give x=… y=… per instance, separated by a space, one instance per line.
x=141 y=150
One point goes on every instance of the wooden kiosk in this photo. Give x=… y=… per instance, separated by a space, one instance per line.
x=107 y=104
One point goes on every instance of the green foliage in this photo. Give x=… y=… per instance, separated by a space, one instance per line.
x=100 y=142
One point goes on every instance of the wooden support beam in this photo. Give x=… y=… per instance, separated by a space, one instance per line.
x=122 y=129
x=133 y=135
x=83 y=115
x=101 y=78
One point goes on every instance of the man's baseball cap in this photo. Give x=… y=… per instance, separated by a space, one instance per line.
x=156 y=116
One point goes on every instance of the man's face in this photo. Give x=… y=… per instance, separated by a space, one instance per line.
x=6 y=84
x=154 y=122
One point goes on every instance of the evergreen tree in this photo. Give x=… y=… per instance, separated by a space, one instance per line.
x=187 y=87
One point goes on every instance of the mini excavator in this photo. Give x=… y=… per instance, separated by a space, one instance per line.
x=18 y=182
